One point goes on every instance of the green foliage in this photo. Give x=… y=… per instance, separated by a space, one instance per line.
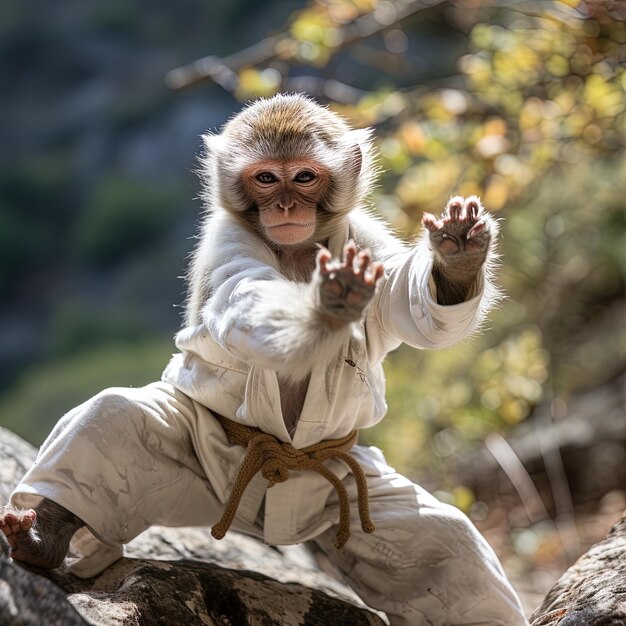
x=76 y=327
x=46 y=392
x=533 y=122
x=31 y=208
x=38 y=184
x=559 y=330
x=537 y=89
x=443 y=400
x=15 y=254
x=534 y=125
x=123 y=216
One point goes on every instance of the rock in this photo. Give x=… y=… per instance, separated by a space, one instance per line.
x=593 y=591
x=17 y=456
x=26 y=599
x=175 y=576
x=30 y=600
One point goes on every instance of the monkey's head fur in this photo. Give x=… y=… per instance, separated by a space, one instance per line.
x=288 y=128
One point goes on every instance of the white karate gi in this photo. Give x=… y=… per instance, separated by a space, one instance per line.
x=131 y=458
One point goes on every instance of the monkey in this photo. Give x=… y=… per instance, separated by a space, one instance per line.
x=296 y=293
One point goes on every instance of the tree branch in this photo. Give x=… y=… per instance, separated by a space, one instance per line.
x=224 y=71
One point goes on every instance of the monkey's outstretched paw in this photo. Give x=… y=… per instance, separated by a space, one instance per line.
x=348 y=284
x=464 y=226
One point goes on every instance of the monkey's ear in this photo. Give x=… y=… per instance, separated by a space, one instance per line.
x=212 y=144
x=354 y=153
x=359 y=170
x=358 y=144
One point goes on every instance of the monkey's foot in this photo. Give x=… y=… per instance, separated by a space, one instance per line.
x=26 y=545
x=16 y=523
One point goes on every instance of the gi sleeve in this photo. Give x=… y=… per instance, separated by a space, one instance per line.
x=406 y=308
x=267 y=320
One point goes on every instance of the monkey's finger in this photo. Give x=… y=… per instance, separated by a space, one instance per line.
x=349 y=252
x=431 y=222
x=324 y=253
x=476 y=229
x=10 y=519
x=472 y=212
x=378 y=270
x=363 y=260
x=323 y=257
x=463 y=210
x=454 y=208
x=375 y=273
x=473 y=207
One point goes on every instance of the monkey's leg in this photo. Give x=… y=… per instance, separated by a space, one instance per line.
x=40 y=536
x=127 y=459
x=425 y=563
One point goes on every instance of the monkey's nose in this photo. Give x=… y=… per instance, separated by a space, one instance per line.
x=286 y=205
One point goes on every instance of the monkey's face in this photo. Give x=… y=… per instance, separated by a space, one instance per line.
x=286 y=195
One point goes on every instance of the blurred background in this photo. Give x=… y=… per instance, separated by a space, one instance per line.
x=522 y=103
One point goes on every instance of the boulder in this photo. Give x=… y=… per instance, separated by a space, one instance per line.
x=175 y=576
x=30 y=600
x=593 y=591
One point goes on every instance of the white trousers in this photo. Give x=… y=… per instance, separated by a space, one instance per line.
x=126 y=460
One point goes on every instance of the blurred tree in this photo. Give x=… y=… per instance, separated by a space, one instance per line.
x=522 y=104
x=530 y=115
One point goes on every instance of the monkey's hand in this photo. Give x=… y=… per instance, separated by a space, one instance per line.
x=460 y=240
x=345 y=286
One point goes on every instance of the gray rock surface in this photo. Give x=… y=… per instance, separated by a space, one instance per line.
x=593 y=591
x=175 y=576
x=30 y=600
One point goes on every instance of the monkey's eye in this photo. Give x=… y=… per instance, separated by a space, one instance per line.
x=266 y=178
x=304 y=177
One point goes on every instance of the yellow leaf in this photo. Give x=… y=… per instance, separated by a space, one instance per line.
x=412 y=135
x=463 y=498
x=497 y=193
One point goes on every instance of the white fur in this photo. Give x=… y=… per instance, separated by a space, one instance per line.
x=255 y=312
x=263 y=318
x=236 y=287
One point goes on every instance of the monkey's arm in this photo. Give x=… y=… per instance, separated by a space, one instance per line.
x=438 y=293
x=265 y=320
x=261 y=317
x=460 y=241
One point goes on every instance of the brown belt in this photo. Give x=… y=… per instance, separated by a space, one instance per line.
x=274 y=459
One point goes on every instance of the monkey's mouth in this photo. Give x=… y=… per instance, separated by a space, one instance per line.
x=292 y=224
x=290 y=233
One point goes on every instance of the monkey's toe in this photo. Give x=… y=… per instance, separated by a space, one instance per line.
x=13 y=523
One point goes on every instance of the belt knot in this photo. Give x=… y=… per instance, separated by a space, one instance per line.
x=275 y=459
